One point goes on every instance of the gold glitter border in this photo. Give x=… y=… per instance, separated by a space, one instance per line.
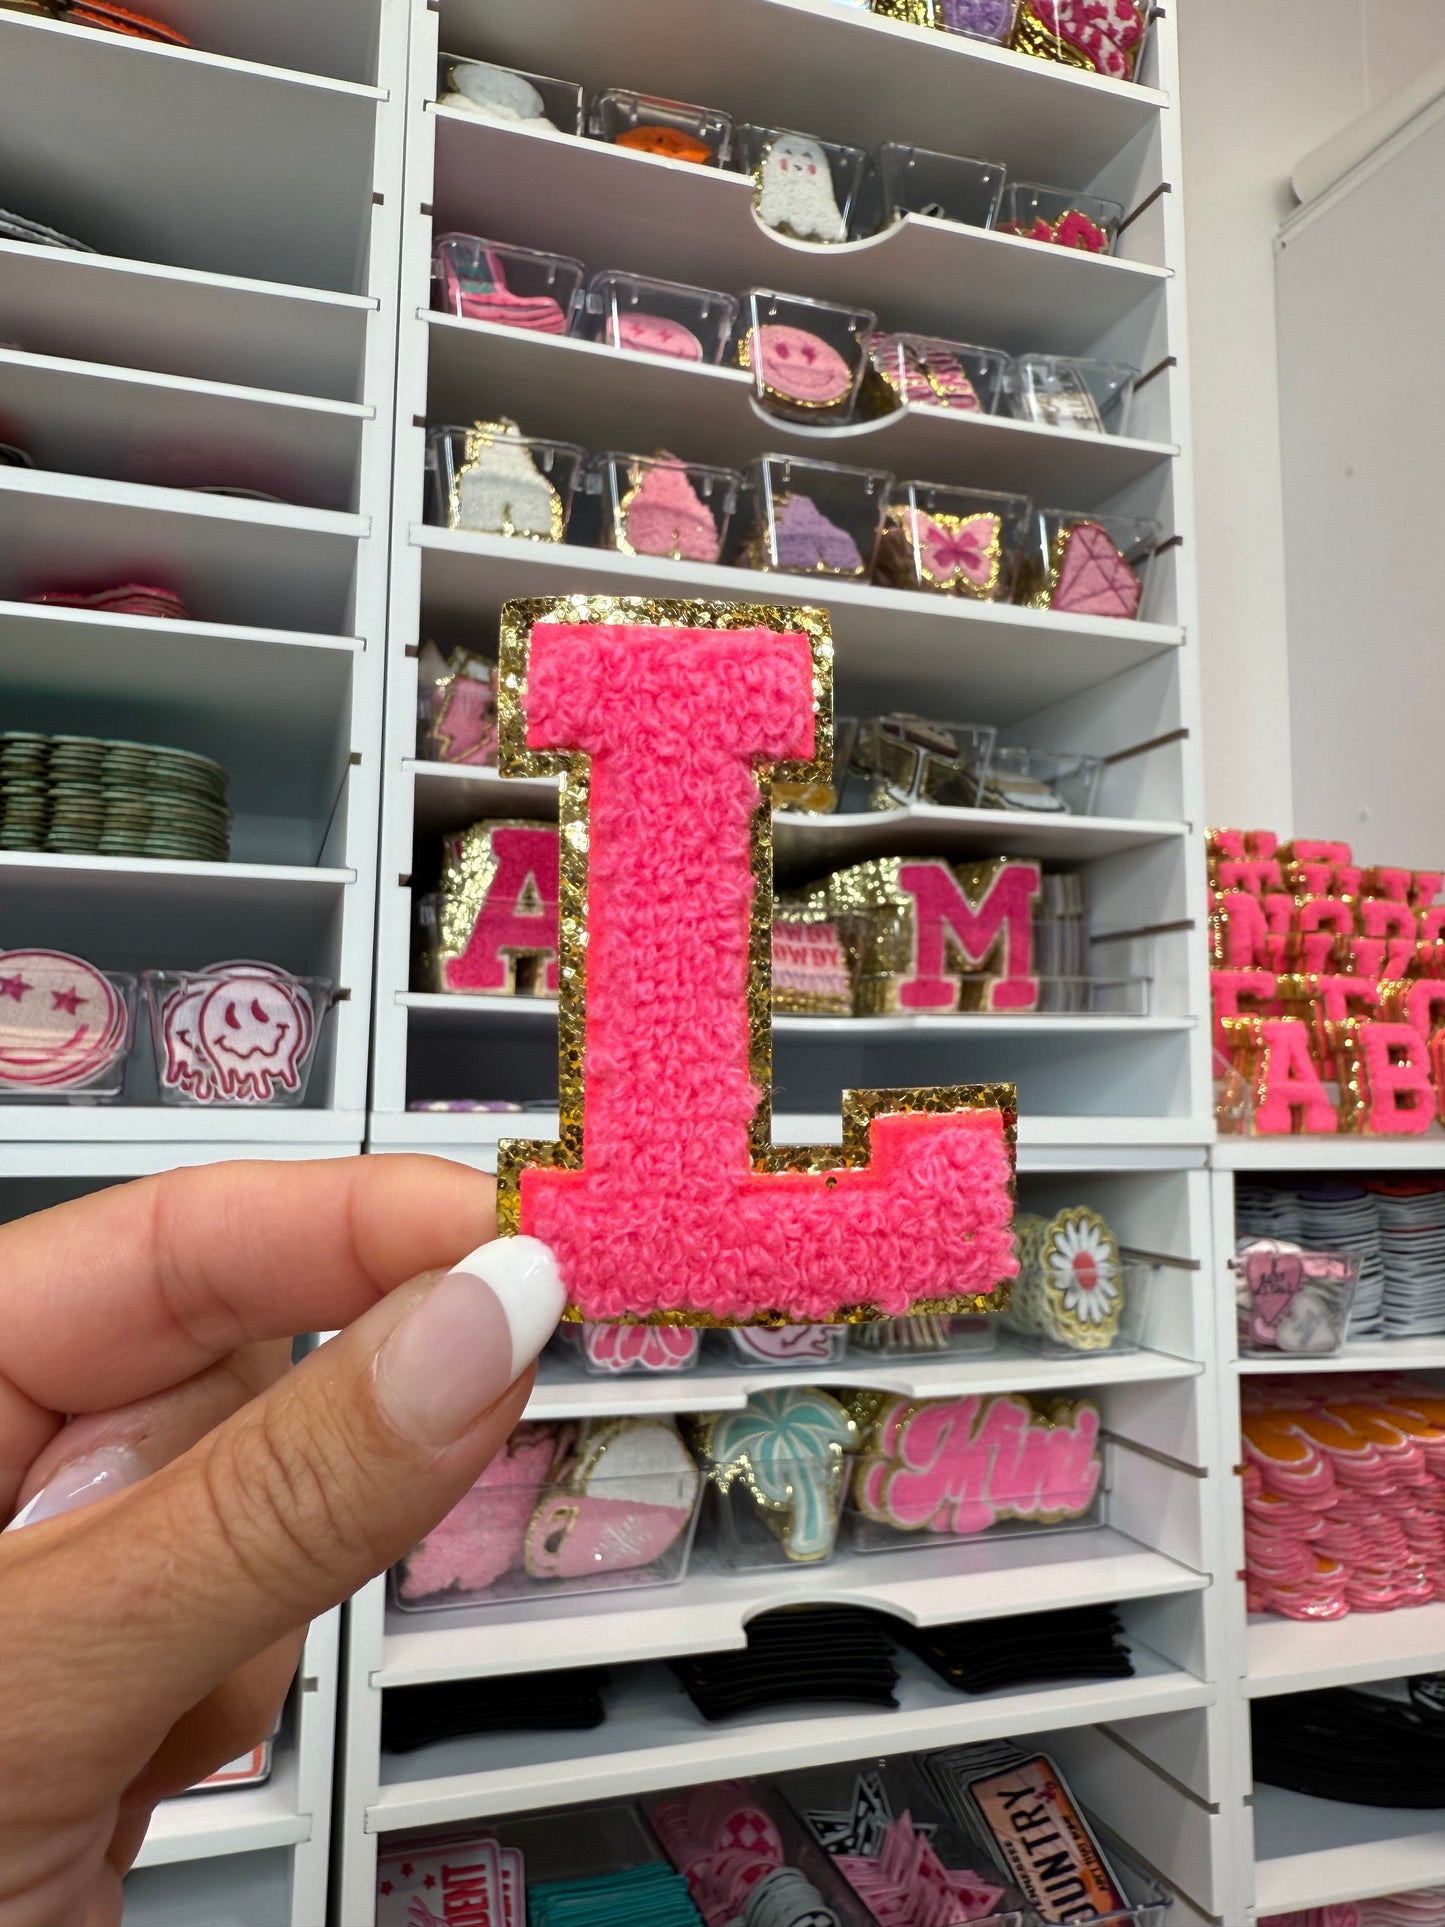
x=514 y=1155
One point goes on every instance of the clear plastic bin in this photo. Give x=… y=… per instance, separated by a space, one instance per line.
x=968 y=1782
x=947 y=187
x=805 y=188
x=854 y=1809
x=917 y=760
x=806 y=357
x=65 y=1028
x=787 y=1347
x=456 y=708
x=481 y=280
x=776 y=1474
x=507 y=97
x=1079 y=1295
x=656 y=505
x=1087 y=565
x=927 y=1336
x=952 y=541
x=493 y=480
x=1058 y=217
x=1057 y=391
x=924 y=372
x=641 y=316
x=1101 y=40
x=1095 y=996
x=1044 y=782
x=940 y=1471
x=707 y=1839
x=1291 y=1302
x=671 y=129
x=607 y=1351
x=809 y=518
x=236 y=1034
x=562 y=1509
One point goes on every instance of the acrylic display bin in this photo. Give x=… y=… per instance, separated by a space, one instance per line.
x=1100 y=40
x=946 y=1471
x=1290 y=1302
x=791 y=1519
x=1055 y=391
x=755 y=1348
x=640 y=316
x=507 y=97
x=655 y=505
x=607 y=1351
x=927 y=1336
x=1042 y=782
x=668 y=1814
x=235 y=1036
x=912 y=761
x=493 y=481
x=1087 y=565
x=924 y=372
x=479 y=280
x=947 y=1772
x=952 y=541
x=456 y=715
x=809 y=518
x=670 y=129
x=823 y=1796
x=1059 y=217
x=947 y=187
x=806 y=357
x=1095 y=996
x=563 y=1509
x=804 y=188
x=66 y=1036
x=1124 y=1315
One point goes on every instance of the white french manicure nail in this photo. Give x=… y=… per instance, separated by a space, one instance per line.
x=96 y=1476
x=468 y=1339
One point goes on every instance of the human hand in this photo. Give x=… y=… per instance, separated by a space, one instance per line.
x=203 y=1501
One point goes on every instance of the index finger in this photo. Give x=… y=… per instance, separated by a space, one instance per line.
x=131 y=1290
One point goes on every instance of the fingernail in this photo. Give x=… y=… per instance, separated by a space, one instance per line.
x=96 y=1476
x=468 y=1339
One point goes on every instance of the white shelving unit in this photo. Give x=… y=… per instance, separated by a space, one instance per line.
x=1302 y=1852
x=236 y=327
x=1115 y=1111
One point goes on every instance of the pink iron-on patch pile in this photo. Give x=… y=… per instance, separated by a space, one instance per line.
x=63 y=1024
x=236 y=1033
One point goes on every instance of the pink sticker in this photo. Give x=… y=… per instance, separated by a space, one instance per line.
x=1093 y=579
x=800 y=365
x=62 y=1022
x=236 y=1033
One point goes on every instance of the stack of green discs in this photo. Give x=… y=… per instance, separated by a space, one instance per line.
x=24 y=791
x=84 y=795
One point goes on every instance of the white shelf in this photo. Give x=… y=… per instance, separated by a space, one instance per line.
x=1322 y=1156
x=1363 y=1355
x=1311 y=1853
x=181 y=321
x=132 y=425
x=708 y=1612
x=1291 y=1656
x=249 y=196
x=654 y=1738
x=451 y=794
x=326 y=37
x=894 y=648
x=199 y=1826
x=565 y=1391
x=613 y=208
x=479 y=370
x=847 y=76
x=1044 y=1143
x=258 y=563
x=489 y=1014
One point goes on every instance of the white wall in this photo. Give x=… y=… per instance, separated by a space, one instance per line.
x=1263 y=82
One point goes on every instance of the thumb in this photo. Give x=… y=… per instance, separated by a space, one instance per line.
x=158 y=1592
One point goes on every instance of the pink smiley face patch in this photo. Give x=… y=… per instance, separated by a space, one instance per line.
x=800 y=366
x=236 y=1033
x=62 y=1023
x=653 y=334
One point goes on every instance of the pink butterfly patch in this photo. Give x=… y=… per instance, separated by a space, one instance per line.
x=967 y=552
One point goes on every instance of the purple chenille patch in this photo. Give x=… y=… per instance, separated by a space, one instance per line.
x=986 y=19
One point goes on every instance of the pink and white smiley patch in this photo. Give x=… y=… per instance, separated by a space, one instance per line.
x=238 y=1033
x=62 y=1023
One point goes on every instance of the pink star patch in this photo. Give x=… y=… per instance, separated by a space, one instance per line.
x=67 y=1000
x=15 y=987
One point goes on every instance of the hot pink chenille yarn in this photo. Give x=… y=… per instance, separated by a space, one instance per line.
x=667 y=1212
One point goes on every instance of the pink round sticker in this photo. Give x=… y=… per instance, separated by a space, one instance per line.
x=61 y=1021
x=800 y=365
x=653 y=334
